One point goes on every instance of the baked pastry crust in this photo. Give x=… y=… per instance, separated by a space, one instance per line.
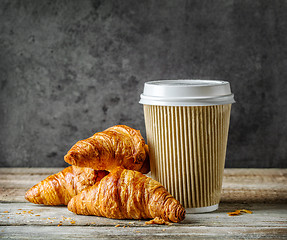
x=128 y=194
x=119 y=145
x=59 y=188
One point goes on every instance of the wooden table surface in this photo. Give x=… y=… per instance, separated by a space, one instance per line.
x=263 y=191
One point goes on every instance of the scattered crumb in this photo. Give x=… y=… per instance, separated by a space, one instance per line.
x=73 y=222
x=20 y=209
x=239 y=212
x=5 y=212
x=245 y=211
x=60 y=224
x=124 y=226
x=18 y=213
x=118 y=225
x=233 y=214
x=8 y=217
x=158 y=220
x=37 y=215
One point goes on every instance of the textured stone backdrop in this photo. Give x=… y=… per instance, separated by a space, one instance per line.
x=71 y=68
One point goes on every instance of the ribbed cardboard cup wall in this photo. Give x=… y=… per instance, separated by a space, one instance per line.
x=187 y=150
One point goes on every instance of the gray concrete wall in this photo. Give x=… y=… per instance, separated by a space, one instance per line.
x=71 y=68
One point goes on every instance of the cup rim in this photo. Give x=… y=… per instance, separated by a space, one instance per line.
x=186 y=92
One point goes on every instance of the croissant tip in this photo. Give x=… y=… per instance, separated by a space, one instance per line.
x=30 y=196
x=69 y=159
x=180 y=213
x=71 y=206
x=27 y=196
x=66 y=158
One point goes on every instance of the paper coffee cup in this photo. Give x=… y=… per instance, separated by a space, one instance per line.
x=187 y=124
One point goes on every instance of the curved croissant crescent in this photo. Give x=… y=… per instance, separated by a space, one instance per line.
x=127 y=194
x=58 y=189
x=119 y=145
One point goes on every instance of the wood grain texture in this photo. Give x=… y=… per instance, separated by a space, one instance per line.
x=30 y=221
x=182 y=232
x=239 y=185
x=20 y=219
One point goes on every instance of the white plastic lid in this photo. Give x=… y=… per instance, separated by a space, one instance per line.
x=186 y=93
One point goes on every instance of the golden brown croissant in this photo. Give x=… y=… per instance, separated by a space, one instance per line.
x=58 y=189
x=116 y=146
x=128 y=194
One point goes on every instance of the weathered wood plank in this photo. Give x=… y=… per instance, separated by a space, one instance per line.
x=239 y=185
x=254 y=185
x=242 y=188
x=264 y=215
x=147 y=232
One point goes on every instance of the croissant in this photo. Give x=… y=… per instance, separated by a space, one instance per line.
x=116 y=146
x=58 y=189
x=128 y=194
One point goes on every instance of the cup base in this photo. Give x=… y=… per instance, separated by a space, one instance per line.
x=202 y=209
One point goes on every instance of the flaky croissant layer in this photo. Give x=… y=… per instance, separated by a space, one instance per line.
x=116 y=146
x=58 y=189
x=127 y=194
